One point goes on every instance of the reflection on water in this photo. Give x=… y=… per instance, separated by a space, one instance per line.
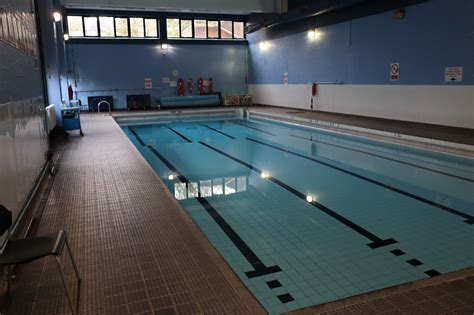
x=209 y=188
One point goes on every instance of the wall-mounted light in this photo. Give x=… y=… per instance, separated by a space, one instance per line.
x=264 y=45
x=57 y=16
x=170 y=177
x=164 y=46
x=314 y=34
x=265 y=175
x=309 y=199
x=66 y=37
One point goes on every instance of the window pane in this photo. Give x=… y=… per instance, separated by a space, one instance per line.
x=151 y=29
x=213 y=29
x=226 y=29
x=238 y=29
x=106 y=26
x=136 y=27
x=200 y=29
x=186 y=28
x=74 y=26
x=172 y=27
x=90 y=24
x=121 y=27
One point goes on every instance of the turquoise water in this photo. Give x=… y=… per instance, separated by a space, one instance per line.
x=378 y=214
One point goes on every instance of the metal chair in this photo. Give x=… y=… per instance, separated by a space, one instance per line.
x=26 y=250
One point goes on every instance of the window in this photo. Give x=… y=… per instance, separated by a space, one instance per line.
x=136 y=27
x=212 y=29
x=106 y=26
x=226 y=29
x=121 y=27
x=187 y=28
x=74 y=26
x=151 y=28
x=90 y=26
x=238 y=30
x=172 y=27
x=200 y=27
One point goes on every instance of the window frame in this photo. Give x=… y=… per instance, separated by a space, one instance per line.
x=128 y=27
x=97 y=25
x=82 y=24
x=218 y=29
x=100 y=29
x=233 y=30
x=181 y=29
x=143 y=27
x=194 y=29
x=157 y=28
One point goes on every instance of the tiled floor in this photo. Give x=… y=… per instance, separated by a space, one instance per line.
x=139 y=252
x=136 y=248
x=446 y=133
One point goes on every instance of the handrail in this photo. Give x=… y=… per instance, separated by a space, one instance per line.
x=104 y=102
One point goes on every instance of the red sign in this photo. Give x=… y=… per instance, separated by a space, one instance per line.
x=394 y=72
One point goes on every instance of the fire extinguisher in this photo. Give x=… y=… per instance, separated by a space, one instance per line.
x=314 y=92
x=210 y=86
x=200 y=86
x=190 y=86
x=70 y=92
x=180 y=87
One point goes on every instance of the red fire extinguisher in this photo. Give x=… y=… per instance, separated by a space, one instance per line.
x=180 y=87
x=210 y=86
x=200 y=86
x=314 y=92
x=70 y=92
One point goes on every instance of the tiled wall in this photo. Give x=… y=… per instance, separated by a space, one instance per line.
x=23 y=136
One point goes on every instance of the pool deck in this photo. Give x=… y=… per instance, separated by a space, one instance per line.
x=140 y=253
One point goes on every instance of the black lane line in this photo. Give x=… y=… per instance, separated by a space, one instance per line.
x=376 y=241
x=469 y=218
x=259 y=267
x=179 y=134
x=136 y=136
x=246 y=126
x=218 y=131
x=387 y=158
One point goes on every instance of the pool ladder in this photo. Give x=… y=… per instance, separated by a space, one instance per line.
x=106 y=103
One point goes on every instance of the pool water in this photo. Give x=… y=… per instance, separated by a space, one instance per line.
x=305 y=216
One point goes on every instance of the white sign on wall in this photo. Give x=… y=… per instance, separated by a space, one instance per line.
x=394 y=72
x=453 y=74
x=285 y=78
x=148 y=83
x=165 y=80
x=173 y=83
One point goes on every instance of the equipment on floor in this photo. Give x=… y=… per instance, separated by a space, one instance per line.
x=141 y=101
x=200 y=86
x=190 y=86
x=190 y=101
x=180 y=87
x=22 y=251
x=314 y=92
x=72 y=119
x=210 y=86
x=93 y=102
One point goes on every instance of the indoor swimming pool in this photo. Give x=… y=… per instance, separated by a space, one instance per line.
x=305 y=216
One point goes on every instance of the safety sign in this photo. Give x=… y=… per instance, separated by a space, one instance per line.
x=394 y=72
x=453 y=74
x=148 y=83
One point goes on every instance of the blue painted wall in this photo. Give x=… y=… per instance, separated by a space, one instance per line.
x=433 y=35
x=119 y=70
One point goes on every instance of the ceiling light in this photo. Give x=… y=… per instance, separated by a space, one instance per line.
x=164 y=46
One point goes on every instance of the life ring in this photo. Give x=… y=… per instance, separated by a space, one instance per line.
x=190 y=86
x=210 y=86
x=180 y=87
x=200 y=86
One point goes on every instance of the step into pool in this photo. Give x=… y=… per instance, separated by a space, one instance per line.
x=305 y=216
